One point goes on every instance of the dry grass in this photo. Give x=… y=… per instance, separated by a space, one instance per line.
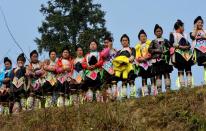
x=182 y=110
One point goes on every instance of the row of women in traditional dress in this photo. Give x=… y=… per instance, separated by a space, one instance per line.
x=67 y=81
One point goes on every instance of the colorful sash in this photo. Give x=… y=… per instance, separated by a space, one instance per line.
x=51 y=78
x=37 y=83
x=77 y=76
x=63 y=77
x=108 y=67
x=201 y=45
x=185 y=54
x=18 y=82
x=92 y=74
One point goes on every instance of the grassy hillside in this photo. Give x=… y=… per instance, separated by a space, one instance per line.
x=182 y=110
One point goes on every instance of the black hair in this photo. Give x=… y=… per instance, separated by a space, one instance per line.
x=77 y=47
x=6 y=59
x=34 y=52
x=141 y=32
x=21 y=57
x=124 y=36
x=66 y=48
x=178 y=24
x=52 y=50
x=95 y=41
x=157 y=27
x=109 y=38
x=198 y=18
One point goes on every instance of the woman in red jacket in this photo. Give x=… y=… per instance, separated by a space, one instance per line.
x=92 y=63
x=64 y=70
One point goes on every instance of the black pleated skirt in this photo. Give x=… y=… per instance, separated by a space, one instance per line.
x=201 y=57
x=161 y=67
x=182 y=64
